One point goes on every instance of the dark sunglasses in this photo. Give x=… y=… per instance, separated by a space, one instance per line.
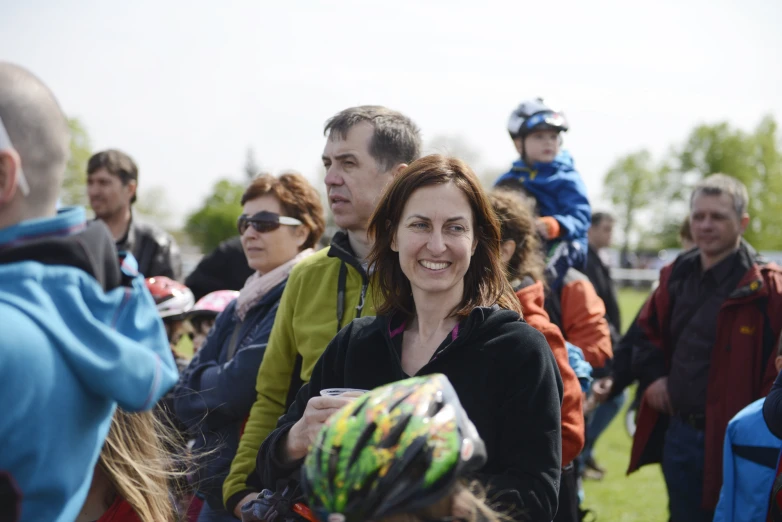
x=264 y=222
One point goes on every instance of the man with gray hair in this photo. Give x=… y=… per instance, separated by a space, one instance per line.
x=81 y=334
x=709 y=332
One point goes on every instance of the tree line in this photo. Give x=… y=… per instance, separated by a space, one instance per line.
x=649 y=195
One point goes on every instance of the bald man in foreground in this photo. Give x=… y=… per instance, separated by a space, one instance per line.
x=80 y=333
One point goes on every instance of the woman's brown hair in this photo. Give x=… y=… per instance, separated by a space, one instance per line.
x=297 y=198
x=485 y=283
x=518 y=225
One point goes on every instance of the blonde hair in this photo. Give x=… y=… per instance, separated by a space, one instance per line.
x=136 y=458
x=467 y=502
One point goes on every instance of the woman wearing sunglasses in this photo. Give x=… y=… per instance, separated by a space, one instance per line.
x=281 y=224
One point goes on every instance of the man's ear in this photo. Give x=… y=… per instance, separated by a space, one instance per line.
x=398 y=169
x=9 y=172
x=132 y=187
x=744 y=223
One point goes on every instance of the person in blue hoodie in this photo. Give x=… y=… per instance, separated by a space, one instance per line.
x=80 y=332
x=547 y=173
x=749 y=464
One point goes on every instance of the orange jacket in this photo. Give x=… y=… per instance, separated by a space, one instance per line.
x=580 y=314
x=531 y=299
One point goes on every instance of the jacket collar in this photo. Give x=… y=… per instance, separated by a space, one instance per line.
x=128 y=241
x=340 y=249
x=66 y=222
x=750 y=286
x=67 y=240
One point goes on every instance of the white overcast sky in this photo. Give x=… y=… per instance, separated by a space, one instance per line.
x=187 y=87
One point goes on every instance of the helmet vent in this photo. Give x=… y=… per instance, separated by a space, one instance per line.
x=395 y=433
x=361 y=442
x=435 y=406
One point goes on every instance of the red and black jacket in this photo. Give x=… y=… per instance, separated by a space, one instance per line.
x=742 y=361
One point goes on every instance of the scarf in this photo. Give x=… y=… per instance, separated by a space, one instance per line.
x=258 y=285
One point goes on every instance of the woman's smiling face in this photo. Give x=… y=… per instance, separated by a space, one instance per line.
x=435 y=240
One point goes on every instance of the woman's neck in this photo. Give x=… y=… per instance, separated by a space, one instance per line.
x=433 y=312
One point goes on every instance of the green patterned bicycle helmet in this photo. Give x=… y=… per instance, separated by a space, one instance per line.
x=397 y=449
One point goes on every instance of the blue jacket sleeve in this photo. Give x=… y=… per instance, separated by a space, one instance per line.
x=772 y=408
x=213 y=393
x=126 y=356
x=575 y=214
x=724 y=511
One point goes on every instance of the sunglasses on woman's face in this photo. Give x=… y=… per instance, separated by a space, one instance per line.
x=264 y=222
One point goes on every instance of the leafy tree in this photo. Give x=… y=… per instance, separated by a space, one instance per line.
x=654 y=199
x=215 y=221
x=152 y=204
x=628 y=185
x=753 y=158
x=74 y=189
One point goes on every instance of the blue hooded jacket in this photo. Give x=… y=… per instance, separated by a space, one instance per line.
x=560 y=193
x=749 y=466
x=80 y=335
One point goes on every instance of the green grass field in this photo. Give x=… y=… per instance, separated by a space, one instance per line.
x=641 y=497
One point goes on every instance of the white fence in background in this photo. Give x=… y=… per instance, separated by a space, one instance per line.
x=622 y=276
x=635 y=275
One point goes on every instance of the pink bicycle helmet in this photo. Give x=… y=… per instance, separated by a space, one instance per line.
x=213 y=303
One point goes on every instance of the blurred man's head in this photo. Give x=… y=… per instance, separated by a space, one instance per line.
x=602 y=230
x=366 y=147
x=112 y=180
x=34 y=147
x=718 y=214
x=778 y=360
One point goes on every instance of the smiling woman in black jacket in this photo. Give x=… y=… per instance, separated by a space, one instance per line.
x=447 y=309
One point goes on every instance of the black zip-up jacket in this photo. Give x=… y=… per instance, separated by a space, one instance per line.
x=506 y=378
x=155 y=250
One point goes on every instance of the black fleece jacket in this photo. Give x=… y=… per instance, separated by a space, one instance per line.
x=506 y=378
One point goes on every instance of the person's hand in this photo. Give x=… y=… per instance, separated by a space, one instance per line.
x=589 y=403
x=245 y=500
x=657 y=396
x=542 y=228
x=601 y=388
x=303 y=433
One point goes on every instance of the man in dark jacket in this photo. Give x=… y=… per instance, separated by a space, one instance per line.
x=112 y=181
x=599 y=274
x=711 y=327
x=600 y=236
